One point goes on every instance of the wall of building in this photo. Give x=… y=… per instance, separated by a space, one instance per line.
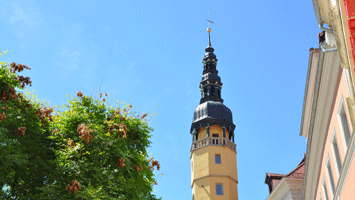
x=348 y=191
x=347 y=13
x=214 y=129
x=201 y=189
x=275 y=182
x=206 y=189
x=334 y=128
x=226 y=188
x=296 y=188
x=288 y=196
x=233 y=193
x=228 y=166
x=200 y=162
x=207 y=173
x=199 y=165
x=281 y=192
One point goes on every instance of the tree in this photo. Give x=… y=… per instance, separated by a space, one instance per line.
x=87 y=150
x=26 y=151
x=102 y=151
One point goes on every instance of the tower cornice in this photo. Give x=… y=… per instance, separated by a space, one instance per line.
x=214 y=175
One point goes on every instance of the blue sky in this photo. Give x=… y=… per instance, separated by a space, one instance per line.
x=149 y=54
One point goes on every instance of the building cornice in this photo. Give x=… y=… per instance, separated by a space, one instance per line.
x=322 y=13
x=333 y=14
x=327 y=74
x=306 y=90
x=213 y=175
x=310 y=136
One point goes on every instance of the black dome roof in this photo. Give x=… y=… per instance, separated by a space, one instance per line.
x=211 y=110
x=213 y=113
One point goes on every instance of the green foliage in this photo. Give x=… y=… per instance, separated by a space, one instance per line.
x=24 y=160
x=76 y=153
x=3 y=52
x=92 y=160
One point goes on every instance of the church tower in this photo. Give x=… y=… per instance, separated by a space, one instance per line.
x=213 y=151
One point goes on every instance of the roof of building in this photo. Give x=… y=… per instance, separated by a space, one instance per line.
x=314 y=49
x=211 y=110
x=297 y=173
x=275 y=175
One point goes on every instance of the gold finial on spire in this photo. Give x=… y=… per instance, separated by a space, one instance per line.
x=209 y=30
x=209 y=21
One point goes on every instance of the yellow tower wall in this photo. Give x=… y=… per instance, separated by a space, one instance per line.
x=205 y=189
x=214 y=129
x=233 y=193
x=207 y=173
x=201 y=189
x=200 y=162
x=228 y=166
x=226 y=189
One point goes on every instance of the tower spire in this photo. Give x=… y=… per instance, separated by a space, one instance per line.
x=209 y=30
x=212 y=131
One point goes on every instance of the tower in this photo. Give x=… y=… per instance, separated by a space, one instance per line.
x=213 y=151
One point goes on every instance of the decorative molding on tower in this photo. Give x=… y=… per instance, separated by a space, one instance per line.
x=214 y=175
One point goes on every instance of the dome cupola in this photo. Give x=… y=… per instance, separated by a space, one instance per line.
x=211 y=110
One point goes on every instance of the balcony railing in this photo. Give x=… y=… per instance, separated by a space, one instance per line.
x=212 y=141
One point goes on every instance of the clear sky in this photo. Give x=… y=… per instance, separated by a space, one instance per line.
x=149 y=54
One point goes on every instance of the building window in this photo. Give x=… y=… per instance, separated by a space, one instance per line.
x=346 y=78
x=215 y=141
x=335 y=149
x=219 y=189
x=217 y=159
x=344 y=125
x=330 y=176
x=325 y=191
